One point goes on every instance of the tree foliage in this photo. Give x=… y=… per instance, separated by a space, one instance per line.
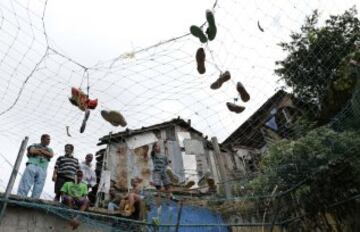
x=325 y=162
x=316 y=57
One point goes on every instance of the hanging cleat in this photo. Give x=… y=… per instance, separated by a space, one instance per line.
x=242 y=91
x=200 y=60
x=235 y=108
x=197 y=32
x=211 y=30
x=115 y=118
x=222 y=78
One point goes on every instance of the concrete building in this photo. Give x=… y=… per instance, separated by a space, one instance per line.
x=247 y=144
x=128 y=155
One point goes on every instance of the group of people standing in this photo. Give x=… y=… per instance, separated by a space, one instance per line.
x=73 y=179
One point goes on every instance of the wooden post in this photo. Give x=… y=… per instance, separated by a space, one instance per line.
x=100 y=196
x=221 y=166
x=13 y=176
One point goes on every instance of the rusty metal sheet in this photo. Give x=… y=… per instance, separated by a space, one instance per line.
x=140 y=164
x=117 y=164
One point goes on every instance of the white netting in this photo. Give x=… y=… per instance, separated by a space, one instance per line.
x=149 y=85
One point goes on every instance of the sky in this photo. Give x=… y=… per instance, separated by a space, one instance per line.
x=136 y=57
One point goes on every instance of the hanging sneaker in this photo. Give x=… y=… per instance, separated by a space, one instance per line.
x=78 y=98
x=200 y=60
x=73 y=101
x=235 y=108
x=211 y=30
x=115 y=118
x=86 y=117
x=172 y=176
x=242 y=91
x=189 y=184
x=222 y=78
x=211 y=184
x=197 y=32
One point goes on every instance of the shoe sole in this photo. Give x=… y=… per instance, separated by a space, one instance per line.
x=109 y=117
x=242 y=91
x=200 y=60
x=106 y=116
x=221 y=80
x=235 y=108
x=197 y=32
x=211 y=30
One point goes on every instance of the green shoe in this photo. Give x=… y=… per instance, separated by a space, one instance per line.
x=211 y=30
x=197 y=32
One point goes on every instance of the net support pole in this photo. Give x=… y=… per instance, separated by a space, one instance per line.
x=220 y=164
x=100 y=196
x=179 y=217
x=14 y=173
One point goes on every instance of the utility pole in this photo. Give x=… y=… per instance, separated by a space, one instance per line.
x=14 y=173
x=221 y=166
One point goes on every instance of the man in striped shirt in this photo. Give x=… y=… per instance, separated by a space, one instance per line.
x=65 y=169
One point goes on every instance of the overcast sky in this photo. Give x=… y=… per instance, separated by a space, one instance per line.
x=44 y=54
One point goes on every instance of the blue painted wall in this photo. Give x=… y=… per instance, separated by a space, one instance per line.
x=190 y=215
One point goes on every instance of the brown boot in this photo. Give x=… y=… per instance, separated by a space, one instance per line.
x=242 y=91
x=200 y=60
x=235 y=108
x=114 y=117
x=222 y=78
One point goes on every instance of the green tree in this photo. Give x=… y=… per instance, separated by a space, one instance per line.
x=316 y=57
x=325 y=162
